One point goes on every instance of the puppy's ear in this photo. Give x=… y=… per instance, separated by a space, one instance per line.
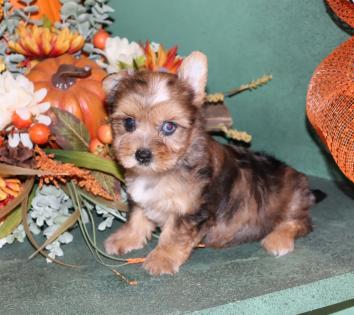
x=112 y=81
x=110 y=84
x=194 y=70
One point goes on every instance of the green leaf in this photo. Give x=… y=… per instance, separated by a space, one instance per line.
x=108 y=182
x=11 y=170
x=11 y=222
x=87 y=160
x=139 y=62
x=124 y=66
x=46 y=22
x=70 y=132
x=117 y=204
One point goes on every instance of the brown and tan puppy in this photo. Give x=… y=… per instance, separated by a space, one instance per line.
x=181 y=180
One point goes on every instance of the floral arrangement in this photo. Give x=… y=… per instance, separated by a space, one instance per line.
x=57 y=172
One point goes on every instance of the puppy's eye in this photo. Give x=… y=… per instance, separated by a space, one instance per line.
x=129 y=124
x=168 y=128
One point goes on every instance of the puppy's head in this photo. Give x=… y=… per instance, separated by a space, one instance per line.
x=154 y=114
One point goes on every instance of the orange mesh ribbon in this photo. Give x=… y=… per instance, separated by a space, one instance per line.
x=330 y=105
x=344 y=9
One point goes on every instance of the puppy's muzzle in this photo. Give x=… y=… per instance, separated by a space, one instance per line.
x=143 y=156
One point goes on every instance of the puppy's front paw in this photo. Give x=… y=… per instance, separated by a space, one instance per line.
x=122 y=242
x=157 y=263
x=278 y=245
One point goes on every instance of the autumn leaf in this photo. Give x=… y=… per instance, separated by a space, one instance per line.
x=108 y=183
x=70 y=133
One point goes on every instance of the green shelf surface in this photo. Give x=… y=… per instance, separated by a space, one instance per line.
x=242 y=279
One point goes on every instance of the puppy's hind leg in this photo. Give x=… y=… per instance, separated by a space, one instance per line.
x=281 y=240
x=295 y=217
x=132 y=235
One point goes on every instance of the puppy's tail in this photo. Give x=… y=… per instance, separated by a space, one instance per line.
x=318 y=195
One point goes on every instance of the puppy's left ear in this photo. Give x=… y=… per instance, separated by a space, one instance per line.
x=110 y=84
x=194 y=70
x=111 y=81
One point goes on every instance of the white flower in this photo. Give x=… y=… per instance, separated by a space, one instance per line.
x=155 y=46
x=32 y=226
x=15 y=138
x=66 y=238
x=18 y=94
x=106 y=223
x=17 y=234
x=50 y=206
x=108 y=215
x=43 y=119
x=54 y=250
x=26 y=140
x=3 y=242
x=120 y=50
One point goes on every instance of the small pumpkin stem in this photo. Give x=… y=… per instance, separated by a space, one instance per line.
x=66 y=75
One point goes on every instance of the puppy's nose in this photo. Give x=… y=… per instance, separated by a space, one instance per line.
x=143 y=156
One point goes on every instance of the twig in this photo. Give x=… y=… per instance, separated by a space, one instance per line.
x=249 y=86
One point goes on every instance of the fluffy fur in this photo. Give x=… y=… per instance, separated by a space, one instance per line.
x=195 y=189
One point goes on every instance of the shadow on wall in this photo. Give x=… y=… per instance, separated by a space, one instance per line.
x=342 y=25
x=343 y=183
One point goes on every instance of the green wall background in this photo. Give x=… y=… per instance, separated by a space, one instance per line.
x=243 y=40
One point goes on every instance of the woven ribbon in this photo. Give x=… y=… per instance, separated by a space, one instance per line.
x=330 y=103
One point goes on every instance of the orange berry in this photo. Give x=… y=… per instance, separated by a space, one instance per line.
x=96 y=146
x=104 y=134
x=100 y=38
x=19 y=122
x=39 y=133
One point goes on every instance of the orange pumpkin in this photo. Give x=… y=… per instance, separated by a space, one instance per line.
x=74 y=85
x=48 y=8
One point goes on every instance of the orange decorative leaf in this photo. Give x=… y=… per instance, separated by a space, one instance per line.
x=162 y=60
x=132 y=261
x=63 y=172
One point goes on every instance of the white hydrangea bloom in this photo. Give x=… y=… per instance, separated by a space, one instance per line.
x=3 y=242
x=17 y=234
x=50 y=208
x=54 y=250
x=120 y=50
x=18 y=94
x=107 y=223
x=108 y=215
x=50 y=204
x=33 y=226
x=55 y=247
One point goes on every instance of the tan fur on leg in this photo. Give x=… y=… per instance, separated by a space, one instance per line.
x=175 y=246
x=132 y=235
x=281 y=241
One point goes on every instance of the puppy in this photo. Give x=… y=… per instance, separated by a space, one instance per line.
x=196 y=190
